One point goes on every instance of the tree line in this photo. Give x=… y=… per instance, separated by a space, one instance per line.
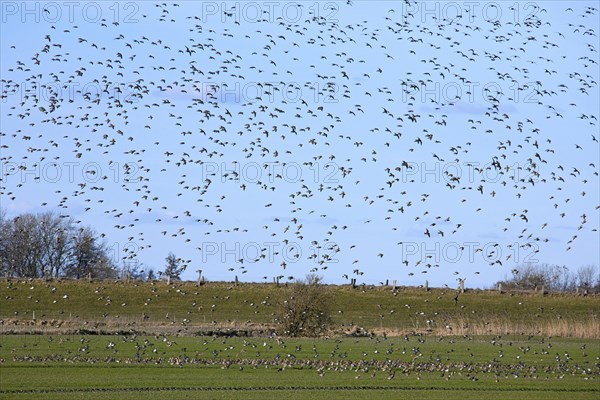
x=47 y=245
x=553 y=277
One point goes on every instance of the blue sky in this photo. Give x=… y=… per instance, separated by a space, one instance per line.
x=332 y=174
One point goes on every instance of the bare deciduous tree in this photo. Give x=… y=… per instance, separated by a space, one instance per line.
x=55 y=244
x=587 y=276
x=89 y=256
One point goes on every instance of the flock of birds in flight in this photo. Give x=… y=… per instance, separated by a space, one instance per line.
x=156 y=113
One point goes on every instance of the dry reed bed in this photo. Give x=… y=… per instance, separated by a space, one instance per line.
x=457 y=325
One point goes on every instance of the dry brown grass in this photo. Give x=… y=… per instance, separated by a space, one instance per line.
x=564 y=327
x=495 y=325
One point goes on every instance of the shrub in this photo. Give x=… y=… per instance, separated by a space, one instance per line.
x=306 y=311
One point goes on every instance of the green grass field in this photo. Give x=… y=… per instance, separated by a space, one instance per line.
x=514 y=346
x=187 y=307
x=175 y=367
